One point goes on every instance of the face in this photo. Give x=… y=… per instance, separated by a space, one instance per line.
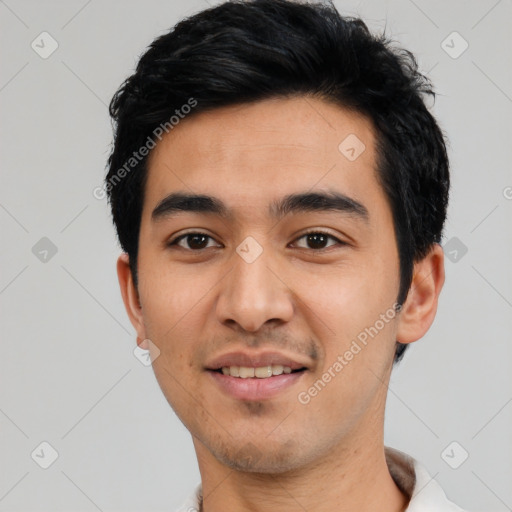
x=248 y=279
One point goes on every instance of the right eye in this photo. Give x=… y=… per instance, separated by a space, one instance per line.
x=195 y=241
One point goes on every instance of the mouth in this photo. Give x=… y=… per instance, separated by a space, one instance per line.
x=248 y=375
x=255 y=384
x=261 y=372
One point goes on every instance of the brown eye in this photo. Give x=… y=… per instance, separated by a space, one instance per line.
x=317 y=240
x=193 y=241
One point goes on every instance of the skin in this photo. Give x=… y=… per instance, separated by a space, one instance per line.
x=194 y=304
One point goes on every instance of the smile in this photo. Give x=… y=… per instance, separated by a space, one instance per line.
x=262 y=372
x=248 y=385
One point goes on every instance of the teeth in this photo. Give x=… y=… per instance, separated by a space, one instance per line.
x=246 y=372
x=277 y=369
x=262 y=372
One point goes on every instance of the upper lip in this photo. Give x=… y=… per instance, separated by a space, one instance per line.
x=255 y=360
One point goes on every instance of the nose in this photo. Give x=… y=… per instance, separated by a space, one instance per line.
x=253 y=294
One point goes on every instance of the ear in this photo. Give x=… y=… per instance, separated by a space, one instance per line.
x=131 y=299
x=419 y=310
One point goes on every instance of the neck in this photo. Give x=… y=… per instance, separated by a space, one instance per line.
x=352 y=476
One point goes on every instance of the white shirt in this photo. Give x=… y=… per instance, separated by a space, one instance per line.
x=425 y=494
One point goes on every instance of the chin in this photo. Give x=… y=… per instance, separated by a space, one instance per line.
x=268 y=460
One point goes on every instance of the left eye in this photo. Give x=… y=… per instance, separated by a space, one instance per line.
x=317 y=238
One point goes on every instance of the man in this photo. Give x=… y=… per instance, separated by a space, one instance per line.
x=279 y=189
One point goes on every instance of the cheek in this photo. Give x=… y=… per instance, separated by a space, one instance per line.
x=351 y=379
x=347 y=297
x=173 y=311
x=356 y=323
x=173 y=317
x=167 y=292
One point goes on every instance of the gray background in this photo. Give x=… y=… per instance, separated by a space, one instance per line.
x=68 y=373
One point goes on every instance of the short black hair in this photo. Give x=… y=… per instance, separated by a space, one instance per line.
x=247 y=51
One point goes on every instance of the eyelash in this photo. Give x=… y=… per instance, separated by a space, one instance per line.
x=311 y=232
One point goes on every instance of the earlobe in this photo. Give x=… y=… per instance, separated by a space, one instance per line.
x=131 y=298
x=419 y=310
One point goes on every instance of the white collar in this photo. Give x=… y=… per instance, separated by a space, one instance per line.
x=409 y=475
x=425 y=494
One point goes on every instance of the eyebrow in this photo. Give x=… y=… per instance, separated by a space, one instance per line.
x=290 y=204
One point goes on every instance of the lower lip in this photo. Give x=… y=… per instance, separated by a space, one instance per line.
x=253 y=388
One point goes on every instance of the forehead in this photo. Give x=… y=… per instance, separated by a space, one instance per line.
x=251 y=154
